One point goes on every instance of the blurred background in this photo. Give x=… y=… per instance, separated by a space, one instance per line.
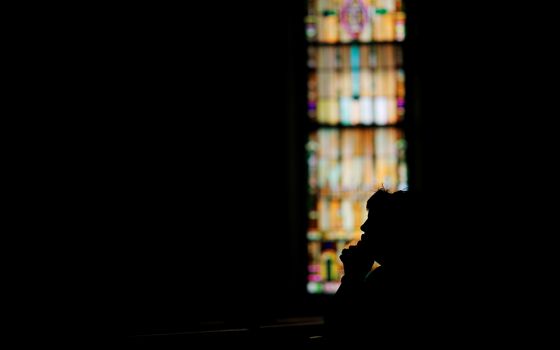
x=249 y=137
x=250 y=143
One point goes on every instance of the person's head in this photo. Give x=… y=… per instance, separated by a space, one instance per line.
x=387 y=228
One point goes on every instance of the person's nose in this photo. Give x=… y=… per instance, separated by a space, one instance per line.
x=364 y=226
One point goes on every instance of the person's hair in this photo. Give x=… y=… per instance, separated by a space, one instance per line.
x=388 y=207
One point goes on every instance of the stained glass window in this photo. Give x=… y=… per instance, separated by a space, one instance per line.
x=356 y=105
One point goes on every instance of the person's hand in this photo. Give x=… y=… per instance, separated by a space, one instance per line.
x=357 y=260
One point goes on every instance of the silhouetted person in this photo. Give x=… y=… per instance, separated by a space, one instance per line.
x=377 y=301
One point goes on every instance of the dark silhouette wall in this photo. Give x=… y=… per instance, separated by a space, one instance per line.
x=207 y=182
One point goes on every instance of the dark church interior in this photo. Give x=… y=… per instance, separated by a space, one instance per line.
x=209 y=206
